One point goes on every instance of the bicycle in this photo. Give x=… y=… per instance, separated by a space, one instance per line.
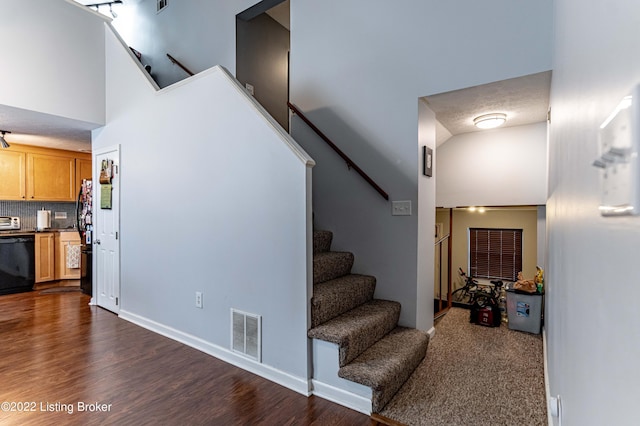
x=488 y=295
x=466 y=293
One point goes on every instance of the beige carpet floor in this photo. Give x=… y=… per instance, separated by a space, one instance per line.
x=474 y=375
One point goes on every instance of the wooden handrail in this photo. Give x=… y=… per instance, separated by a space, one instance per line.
x=175 y=61
x=344 y=156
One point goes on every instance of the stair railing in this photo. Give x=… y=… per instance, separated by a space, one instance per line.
x=175 y=61
x=349 y=161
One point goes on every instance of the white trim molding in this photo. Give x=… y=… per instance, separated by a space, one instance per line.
x=342 y=397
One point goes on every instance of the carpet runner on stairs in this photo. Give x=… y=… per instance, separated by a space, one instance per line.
x=373 y=350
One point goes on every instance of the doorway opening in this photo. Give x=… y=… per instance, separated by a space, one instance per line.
x=262 y=55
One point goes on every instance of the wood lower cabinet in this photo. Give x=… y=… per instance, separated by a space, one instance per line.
x=63 y=240
x=45 y=257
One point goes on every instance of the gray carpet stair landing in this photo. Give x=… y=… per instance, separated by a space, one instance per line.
x=373 y=350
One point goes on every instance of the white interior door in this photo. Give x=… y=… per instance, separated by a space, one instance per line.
x=106 y=243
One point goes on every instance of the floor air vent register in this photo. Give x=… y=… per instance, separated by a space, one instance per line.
x=246 y=337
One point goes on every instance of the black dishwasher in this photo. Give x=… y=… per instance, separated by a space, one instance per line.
x=17 y=263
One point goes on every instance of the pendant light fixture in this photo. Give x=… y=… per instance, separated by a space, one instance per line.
x=490 y=121
x=4 y=143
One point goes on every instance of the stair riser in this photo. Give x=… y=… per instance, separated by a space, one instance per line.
x=368 y=337
x=322 y=241
x=387 y=365
x=335 y=297
x=331 y=265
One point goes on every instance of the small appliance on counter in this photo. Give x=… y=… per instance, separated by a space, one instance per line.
x=43 y=219
x=9 y=223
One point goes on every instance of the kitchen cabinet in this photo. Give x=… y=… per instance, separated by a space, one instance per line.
x=62 y=240
x=45 y=256
x=12 y=175
x=83 y=171
x=50 y=177
x=42 y=174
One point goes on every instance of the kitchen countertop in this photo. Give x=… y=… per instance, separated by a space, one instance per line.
x=33 y=231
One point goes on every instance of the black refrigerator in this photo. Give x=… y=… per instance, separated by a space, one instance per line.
x=84 y=221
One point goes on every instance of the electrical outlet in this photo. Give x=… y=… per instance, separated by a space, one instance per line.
x=555 y=406
x=199 y=299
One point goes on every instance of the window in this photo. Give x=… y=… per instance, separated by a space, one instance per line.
x=495 y=253
x=162 y=4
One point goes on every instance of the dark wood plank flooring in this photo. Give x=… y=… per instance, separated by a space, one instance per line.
x=56 y=351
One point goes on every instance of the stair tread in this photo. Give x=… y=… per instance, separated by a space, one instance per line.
x=331 y=264
x=357 y=329
x=388 y=363
x=335 y=297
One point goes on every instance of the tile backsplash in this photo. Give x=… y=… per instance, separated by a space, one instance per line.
x=26 y=211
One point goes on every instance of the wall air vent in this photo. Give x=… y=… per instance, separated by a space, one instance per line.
x=162 y=4
x=246 y=336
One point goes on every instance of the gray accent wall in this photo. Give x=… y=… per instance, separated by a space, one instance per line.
x=262 y=60
x=357 y=71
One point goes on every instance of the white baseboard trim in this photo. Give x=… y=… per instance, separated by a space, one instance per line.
x=294 y=383
x=342 y=397
x=431 y=332
x=547 y=388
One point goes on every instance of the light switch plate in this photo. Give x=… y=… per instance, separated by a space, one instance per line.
x=401 y=208
x=619 y=145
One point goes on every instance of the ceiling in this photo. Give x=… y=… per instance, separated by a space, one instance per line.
x=525 y=100
x=45 y=130
x=281 y=14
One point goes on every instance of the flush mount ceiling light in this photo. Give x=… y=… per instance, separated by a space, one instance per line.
x=4 y=143
x=490 y=121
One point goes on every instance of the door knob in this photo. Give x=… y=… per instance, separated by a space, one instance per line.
x=97 y=241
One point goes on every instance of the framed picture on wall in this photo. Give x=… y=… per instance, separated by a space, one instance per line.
x=427 y=161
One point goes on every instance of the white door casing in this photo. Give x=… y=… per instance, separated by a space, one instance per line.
x=106 y=234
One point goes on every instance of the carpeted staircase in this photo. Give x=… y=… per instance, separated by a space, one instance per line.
x=373 y=350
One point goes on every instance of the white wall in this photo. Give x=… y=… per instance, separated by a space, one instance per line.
x=359 y=78
x=52 y=60
x=214 y=198
x=499 y=167
x=426 y=219
x=592 y=286
x=198 y=33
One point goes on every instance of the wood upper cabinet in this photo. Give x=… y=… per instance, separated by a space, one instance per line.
x=12 y=175
x=45 y=257
x=83 y=171
x=33 y=173
x=62 y=240
x=50 y=177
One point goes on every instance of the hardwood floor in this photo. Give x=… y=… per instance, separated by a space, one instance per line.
x=58 y=353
